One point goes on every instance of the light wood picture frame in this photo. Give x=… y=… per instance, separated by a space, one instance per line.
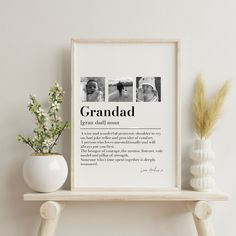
x=149 y=70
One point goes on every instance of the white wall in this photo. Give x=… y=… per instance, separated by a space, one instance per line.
x=35 y=51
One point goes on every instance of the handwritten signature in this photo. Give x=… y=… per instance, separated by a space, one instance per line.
x=151 y=169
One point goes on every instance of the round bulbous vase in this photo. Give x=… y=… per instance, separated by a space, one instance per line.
x=202 y=168
x=45 y=172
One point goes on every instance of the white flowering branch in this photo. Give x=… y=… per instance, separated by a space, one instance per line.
x=49 y=125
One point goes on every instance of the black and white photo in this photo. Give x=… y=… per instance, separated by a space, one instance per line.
x=92 y=89
x=148 y=89
x=120 y=89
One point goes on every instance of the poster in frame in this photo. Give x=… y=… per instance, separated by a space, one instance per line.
x=125 y=115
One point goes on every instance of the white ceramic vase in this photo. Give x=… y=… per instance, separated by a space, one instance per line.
x=202 y=168
x=45 y=173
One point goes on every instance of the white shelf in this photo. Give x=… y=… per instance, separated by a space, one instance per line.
x=184 y=195
x=197 y=203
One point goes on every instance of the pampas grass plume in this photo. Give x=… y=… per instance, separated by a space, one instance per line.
x=207 y=113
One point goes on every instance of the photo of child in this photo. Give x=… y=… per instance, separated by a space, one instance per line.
x=93 y=89
x=148 y=89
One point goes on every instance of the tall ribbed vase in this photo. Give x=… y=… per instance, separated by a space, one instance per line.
x=202 y=168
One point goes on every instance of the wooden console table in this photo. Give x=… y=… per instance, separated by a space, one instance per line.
x=198 y=204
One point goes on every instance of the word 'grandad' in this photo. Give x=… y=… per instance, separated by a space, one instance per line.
x=116 y=112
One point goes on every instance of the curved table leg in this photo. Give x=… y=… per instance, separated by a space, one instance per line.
x=201 y=211
x=50 y=214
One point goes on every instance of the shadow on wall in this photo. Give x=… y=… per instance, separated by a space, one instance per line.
x=66 y=84
x=15 y=188
x=187 y=146
x=186 y=163
x=126 y=218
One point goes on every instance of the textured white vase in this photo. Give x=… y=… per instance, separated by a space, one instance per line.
x=45 y=173
x=202 y=168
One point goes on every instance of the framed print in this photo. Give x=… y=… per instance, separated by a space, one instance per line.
x=125 y=115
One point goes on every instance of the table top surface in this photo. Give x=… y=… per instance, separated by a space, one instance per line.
x=184 y=195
